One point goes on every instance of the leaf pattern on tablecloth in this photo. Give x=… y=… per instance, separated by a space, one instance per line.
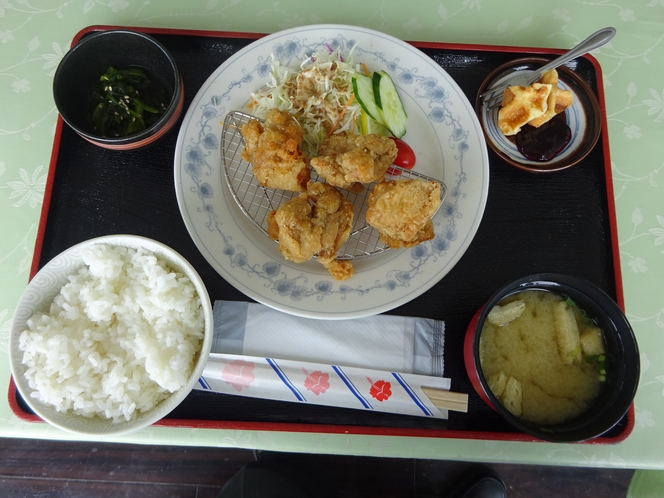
x=631 y=66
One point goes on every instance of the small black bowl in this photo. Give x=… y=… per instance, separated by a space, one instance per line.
x=623 y=363
x=90 y=58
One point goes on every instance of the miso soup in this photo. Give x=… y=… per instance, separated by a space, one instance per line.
x=543 y=358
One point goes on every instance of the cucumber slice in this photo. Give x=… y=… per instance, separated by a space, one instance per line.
x=388 y=101
x=363 y=90
x=368 y=125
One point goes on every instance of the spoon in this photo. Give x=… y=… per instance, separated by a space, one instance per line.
x=526 y=78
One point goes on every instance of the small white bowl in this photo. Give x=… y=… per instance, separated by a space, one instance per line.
x=47 y=284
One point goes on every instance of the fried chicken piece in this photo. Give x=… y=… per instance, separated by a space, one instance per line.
x=401 y=211
x=317 y=222
x=348 y=161
x=273 y=149
x=340 y=270
x=426 y=233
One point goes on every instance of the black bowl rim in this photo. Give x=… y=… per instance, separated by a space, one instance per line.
x=593 y=123
x=171 y=108
x=566 y=432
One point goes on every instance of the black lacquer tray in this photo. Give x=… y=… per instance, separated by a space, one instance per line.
x=562 y=222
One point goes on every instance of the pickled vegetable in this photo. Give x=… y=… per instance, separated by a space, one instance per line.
x=125 y=102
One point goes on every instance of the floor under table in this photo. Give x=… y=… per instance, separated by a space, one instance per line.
x=30 y=468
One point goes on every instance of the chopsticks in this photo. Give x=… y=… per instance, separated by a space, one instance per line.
x=447 y=400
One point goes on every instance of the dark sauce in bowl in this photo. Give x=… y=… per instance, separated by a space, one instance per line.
x=543 y=143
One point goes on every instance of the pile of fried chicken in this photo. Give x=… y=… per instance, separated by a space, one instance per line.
x=318 y=222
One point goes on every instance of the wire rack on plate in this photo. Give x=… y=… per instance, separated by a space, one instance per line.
x=256 y=201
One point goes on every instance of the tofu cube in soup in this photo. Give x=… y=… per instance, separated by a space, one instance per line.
x=592 y=341
x=502 y=315
x=512 y=398
x=567 y=333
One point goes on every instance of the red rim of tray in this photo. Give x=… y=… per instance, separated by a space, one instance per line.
x=350 y=429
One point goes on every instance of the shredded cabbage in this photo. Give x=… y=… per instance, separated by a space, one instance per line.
x=319 y=94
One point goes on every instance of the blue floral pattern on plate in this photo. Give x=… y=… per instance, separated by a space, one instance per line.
x=443 y=131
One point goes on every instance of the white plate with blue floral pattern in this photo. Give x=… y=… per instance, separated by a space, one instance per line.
x=443 y=130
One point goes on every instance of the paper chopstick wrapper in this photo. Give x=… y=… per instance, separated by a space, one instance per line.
x=329 y=385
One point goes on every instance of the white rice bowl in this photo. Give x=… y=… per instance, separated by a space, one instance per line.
x=111 y=335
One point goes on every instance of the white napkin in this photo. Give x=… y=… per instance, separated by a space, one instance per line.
x=381 y=342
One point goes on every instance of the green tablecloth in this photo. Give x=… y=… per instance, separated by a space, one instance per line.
x=35 y=35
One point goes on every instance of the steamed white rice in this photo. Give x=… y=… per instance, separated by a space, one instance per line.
x=118 y=339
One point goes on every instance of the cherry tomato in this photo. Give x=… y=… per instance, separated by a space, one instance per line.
x=405 y=157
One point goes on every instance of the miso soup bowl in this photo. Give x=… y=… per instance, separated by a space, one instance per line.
x=622 y=359
x=90 y=58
